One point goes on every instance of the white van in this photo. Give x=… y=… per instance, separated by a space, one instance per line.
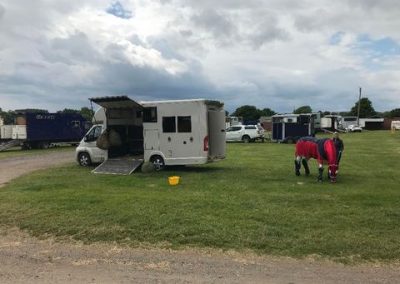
x=87 y=152
x=176 y=132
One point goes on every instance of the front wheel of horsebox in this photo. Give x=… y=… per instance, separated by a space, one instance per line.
x=84 y=159
x=158 y=163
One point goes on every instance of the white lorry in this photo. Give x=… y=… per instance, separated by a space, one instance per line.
x=176 y=132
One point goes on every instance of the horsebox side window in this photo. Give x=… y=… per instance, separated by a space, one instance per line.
x=150 y=114
x=184 y=124
x=250 y=127
x=168 y=124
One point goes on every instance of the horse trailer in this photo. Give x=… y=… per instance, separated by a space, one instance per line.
x=40 y=130
x=174 y=132
x=288 y=128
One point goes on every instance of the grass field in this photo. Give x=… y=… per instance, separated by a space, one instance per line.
x=250 y=201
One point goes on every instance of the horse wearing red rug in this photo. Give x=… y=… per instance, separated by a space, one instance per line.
x=324 y=150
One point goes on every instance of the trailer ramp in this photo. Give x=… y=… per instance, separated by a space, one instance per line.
x=332 y=131
x=7 y=145
x=118 y=166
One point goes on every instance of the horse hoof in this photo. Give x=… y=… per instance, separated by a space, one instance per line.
x=297 y=173
x=307 y=173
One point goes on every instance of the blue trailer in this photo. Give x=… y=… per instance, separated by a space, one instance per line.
x=288 y=128
x=40 y=130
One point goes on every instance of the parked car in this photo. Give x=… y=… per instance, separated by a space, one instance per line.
x=353 y=128
x=245 y=133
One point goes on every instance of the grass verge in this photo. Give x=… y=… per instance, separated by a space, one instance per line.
x=250 y=201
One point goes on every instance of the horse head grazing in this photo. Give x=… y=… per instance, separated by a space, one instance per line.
x=333 y=170
x=333 y=149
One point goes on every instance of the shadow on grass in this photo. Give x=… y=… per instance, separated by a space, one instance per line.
x=191 y=169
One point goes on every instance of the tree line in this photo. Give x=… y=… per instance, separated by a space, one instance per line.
x=248 y=112
x=10 y=115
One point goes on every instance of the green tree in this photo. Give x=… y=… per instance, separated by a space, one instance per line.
x=31 y=110
x=8 y=116
x=87 y=113
x=247 y=112
x=394 y=113
x=267 y=112
x=366 y=108
x=303 y=109
x=68 y=110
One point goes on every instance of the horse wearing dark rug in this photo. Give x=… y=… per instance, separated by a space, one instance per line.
x=323 y=150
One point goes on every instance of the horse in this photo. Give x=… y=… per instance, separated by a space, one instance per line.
x=323 y=150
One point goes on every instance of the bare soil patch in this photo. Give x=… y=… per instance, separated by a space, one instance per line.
x=13 y=167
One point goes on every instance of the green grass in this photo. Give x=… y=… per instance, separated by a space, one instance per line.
x=17 y=152
x=250 y=201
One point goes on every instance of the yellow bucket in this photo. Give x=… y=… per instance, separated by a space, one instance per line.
x=174 y=180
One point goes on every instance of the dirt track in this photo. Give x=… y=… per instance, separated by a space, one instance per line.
x=24 y=259
x=11 y=168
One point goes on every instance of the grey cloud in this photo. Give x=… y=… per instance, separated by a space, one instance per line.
x=2 y=11
x=372 y=4
x=253 y=27
x=186 y=33
x=145 y=82
x=165 y=48
x=267 y=30
x=215 y=22
x=75 y=48
x=212 y=4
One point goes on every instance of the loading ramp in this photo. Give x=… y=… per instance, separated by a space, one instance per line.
x=9 y=144
x=118 y=166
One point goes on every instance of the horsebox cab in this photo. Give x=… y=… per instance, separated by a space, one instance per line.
x=174 y=132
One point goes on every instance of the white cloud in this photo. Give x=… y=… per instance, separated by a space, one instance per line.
x=278 y=54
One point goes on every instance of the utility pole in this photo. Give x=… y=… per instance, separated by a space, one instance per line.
x=358 y=109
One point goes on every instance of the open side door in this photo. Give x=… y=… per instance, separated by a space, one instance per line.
x=216 y=134
x=121 y=166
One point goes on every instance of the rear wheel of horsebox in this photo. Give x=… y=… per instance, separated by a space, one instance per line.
x=158 y=163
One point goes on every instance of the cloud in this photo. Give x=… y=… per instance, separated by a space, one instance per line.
x=2 y=11
x=218 y=24
x=280 y=54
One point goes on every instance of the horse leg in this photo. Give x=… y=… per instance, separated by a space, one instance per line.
x=306 y=168
x=297 y=165
x=320 y=172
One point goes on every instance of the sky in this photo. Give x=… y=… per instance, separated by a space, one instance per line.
x=276 y=54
